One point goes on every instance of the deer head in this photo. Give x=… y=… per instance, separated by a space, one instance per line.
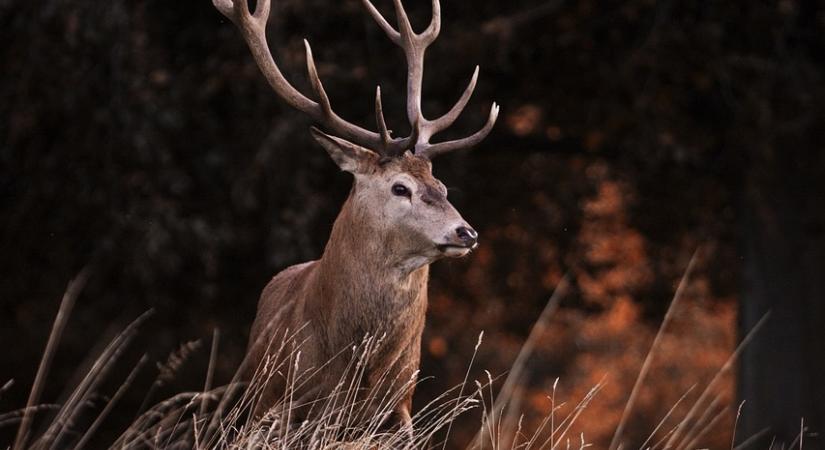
x=401 y=204
x=395 y=193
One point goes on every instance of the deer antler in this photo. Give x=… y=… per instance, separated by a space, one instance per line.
x=253 y=26
x=415 y=46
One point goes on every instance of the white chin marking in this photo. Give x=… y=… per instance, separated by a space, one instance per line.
x=456 y=252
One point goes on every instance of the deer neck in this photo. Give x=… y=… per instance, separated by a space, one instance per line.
x=369 y=262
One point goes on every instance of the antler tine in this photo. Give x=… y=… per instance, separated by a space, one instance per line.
x=262 y=8
x=445 y=121
x=382 y=123
x=432 y=31
x=428 y=36
x=430 y=151
x=404 y=26
x=394 y=35
x=253 y=28
x=224 y=7
x=316 y=81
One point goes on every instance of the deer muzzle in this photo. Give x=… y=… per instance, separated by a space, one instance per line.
x=460 y=243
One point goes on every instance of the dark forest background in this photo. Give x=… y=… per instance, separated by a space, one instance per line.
x=139 y=139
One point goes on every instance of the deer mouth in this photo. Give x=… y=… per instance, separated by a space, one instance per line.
x=455 y=250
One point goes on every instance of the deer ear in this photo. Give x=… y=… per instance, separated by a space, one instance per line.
x=349 y=157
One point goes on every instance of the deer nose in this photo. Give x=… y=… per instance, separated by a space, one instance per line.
x=467 y=235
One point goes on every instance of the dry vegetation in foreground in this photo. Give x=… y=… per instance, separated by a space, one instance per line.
x=218 y=417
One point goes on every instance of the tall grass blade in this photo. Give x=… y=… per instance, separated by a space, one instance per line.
x=725 y=368
x=66 y=305
x=84 y=440
x=631 y=401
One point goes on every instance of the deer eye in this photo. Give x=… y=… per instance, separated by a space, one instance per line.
x=401 y=190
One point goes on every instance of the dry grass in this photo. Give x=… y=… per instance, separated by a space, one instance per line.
x=349 y=418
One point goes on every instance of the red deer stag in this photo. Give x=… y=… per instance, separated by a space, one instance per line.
x=372 y=277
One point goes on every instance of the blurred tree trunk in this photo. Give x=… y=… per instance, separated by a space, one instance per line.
x=782 y=372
